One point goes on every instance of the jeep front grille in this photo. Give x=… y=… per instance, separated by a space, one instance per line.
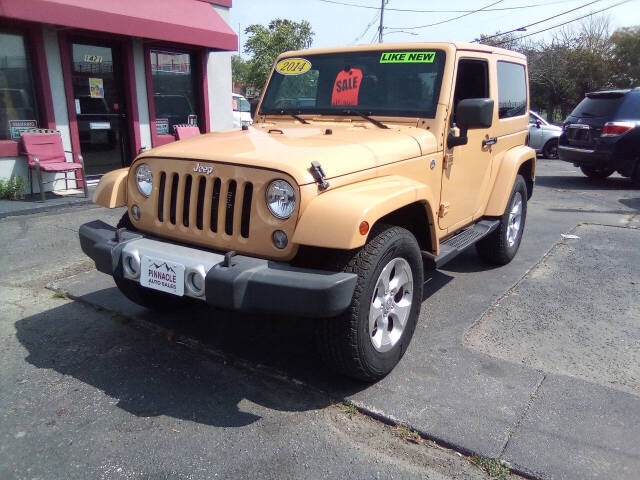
x=204 y=203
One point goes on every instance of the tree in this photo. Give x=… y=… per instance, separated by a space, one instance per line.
x=626 y=57
x=239 y=70
x=264 y=44
x=575 y=61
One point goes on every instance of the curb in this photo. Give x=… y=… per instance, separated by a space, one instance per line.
x=45 y=208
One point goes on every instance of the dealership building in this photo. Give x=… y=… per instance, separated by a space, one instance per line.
x=113 y=77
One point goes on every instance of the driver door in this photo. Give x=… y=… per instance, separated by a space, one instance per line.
x=467 y=168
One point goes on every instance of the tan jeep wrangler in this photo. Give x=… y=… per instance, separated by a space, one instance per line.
x=364 y=165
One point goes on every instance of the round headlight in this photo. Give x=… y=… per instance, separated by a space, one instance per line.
x=144 y=179
x=281 y=199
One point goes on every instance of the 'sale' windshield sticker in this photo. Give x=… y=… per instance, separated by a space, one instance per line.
x=407 y=57
x=347 y=87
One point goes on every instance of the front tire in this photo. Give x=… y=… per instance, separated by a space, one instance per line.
x=597 y=172
x=550 y=149
x=368 y=340
x=500 y=246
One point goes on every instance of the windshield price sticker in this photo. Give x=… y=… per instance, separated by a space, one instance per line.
x=407 y=57
x=293 y=66
x=347 y=87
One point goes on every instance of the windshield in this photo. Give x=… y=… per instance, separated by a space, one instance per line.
x=241 y=104
x=389 y=83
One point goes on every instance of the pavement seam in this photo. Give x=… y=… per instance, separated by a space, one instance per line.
x=496 y=303
x=516 y=425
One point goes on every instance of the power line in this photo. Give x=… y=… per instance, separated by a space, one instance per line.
x=375 y=18
x=518 y=7
x=519 y=29
x=562 y=24
x=448 y=19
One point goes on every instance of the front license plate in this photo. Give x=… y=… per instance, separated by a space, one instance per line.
x=162 y=275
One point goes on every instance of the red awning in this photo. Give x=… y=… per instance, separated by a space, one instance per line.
x=183 y=21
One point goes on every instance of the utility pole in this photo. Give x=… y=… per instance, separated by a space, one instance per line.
x=381 y=27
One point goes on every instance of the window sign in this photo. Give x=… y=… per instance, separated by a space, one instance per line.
x=174 y=90
x=17 y=96
x=96 y=88
x=16 y=127
x=93 y=58
x=162 y=126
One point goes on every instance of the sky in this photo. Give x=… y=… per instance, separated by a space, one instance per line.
x=344 y=25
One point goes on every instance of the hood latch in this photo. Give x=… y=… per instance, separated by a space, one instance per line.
x=318 y=175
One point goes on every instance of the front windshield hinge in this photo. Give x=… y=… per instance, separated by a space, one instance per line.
x=318 y=175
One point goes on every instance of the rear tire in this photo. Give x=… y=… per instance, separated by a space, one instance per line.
x=597 y=172
x=368 y=340
x=143 y=296
x=550 y=149
x=500 y=246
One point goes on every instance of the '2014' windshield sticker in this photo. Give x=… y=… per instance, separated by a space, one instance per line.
x=407 y=57
x=347 y=87
x=293 y=66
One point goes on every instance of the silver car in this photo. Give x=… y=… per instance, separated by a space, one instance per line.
x=543 y=136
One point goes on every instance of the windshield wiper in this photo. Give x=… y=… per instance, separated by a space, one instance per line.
x=365 y=116
x=294 y=115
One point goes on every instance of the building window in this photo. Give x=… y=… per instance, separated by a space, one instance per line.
x=512 y=90
x=174 y=96
x=18 y=109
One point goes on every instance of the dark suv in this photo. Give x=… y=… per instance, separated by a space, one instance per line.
x=602 y=134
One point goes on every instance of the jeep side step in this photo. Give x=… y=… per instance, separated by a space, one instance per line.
x=453 y=246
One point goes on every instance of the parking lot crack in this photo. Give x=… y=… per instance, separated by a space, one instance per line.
x=512 y=430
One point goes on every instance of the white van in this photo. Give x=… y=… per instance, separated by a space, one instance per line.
x=241 y=111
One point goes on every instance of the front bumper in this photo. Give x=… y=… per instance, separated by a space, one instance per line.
x=245 y=284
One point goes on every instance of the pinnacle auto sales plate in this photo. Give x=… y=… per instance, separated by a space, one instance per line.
x=162 y=275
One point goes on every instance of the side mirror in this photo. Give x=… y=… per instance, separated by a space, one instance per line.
x=471 y=113
x=538 y=123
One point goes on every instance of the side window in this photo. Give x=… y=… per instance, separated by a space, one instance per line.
x=472 y=81
x=512 y=90
x=18 y=110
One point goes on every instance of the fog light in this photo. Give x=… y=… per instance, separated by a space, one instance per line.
x=131 y=265
x=135 y=212
x=195 y=282
x=279 y=239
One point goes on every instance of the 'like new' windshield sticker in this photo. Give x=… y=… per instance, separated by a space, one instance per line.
x=407 y=57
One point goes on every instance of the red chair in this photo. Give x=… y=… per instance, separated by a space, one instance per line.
x=44 y=151
x=186 y=131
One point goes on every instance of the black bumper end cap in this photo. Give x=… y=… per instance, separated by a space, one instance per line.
x=257 y=285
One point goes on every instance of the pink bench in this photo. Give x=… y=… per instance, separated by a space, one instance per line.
x=44 y=151
x=186 y=131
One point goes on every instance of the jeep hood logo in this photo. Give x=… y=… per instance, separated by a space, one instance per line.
x=207 y=170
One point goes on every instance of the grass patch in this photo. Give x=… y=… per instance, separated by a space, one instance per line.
x=407 y=434
x=350 y=409
x=60 y=294
x=495 y=468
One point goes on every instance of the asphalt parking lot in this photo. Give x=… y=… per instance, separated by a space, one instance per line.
x=535 y=363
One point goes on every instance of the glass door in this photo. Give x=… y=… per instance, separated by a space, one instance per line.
x=100 y=107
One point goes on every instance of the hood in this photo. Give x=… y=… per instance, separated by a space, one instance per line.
x=291 y=148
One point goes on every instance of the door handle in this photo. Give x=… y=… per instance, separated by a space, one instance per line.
x=489 y=141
